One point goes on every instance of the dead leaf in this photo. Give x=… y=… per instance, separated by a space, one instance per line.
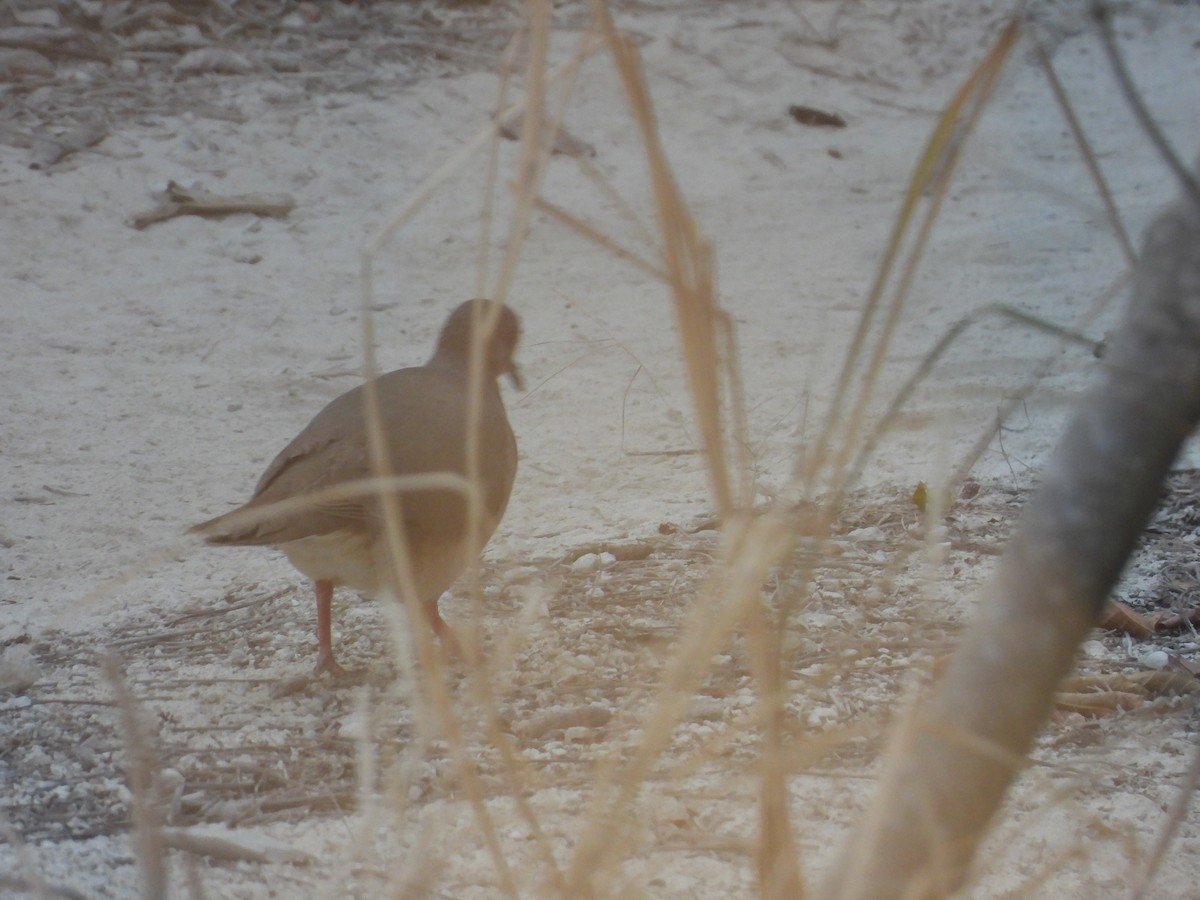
x=815 y=118
x=1119 y=617
x=1099 y=695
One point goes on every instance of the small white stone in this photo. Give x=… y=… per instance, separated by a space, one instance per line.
x=1094 y=649
x=874 y=533
x=589 y=562
x=1155 y=659
x=19 y=670
x=822 y=716
x=355 y=727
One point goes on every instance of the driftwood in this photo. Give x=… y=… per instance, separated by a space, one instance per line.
x=953 y=757
x=180 y=201
x=233 y=846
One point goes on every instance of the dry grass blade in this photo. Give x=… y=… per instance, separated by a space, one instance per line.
x=778 y=863
x=1106 y=297
x=1187 y=179
x=643 y=232
x=1085 y=151
x=487 y=214
x=432 y=665
x=1073 y=539
x=727 y=599
x=871 y=442
x=150 y=848
x=932 y=175
x=379 y=486
x=709 y=352
x=536 y=140
x=597 y=237
x=689 y=265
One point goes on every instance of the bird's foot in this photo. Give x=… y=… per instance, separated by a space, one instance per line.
x=298 y=684
x=326 y=664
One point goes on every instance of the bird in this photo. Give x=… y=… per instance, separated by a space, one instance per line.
x=423 y=410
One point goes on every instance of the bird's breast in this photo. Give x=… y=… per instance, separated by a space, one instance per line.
x=346 y=557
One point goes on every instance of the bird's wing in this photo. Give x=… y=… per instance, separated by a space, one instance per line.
x=424 y=414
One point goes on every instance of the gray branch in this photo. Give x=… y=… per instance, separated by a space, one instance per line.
x=952 y=759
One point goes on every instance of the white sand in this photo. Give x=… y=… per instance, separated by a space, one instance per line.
x=152 y=374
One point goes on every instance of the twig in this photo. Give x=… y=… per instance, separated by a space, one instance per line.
x=138 y=643
x=71 y=701
x=232 y=846
x=341 y=801
x=1085 y=150
x=42 y=888
x=1103 y=16
x=869 y=444
x=217 y=611
x=180 y=201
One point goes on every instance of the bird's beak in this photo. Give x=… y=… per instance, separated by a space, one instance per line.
x=514 y=377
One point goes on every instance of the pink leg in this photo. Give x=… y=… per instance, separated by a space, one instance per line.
x=442 y=630
x=325 y=660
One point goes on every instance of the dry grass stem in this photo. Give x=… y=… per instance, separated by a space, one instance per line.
x=932 y=176
x=688 y=262
x=1085 y=152
x=682 y=694
x=871 y=441
x=140 y=768
x=1102 y=13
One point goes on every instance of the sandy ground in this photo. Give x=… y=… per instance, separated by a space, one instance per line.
x=153 y=373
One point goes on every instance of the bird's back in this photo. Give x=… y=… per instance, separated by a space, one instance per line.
x=423 y=412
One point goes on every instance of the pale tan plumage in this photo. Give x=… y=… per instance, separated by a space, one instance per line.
x=423 y=411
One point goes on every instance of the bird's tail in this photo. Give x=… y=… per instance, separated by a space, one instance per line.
x=230 y=529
